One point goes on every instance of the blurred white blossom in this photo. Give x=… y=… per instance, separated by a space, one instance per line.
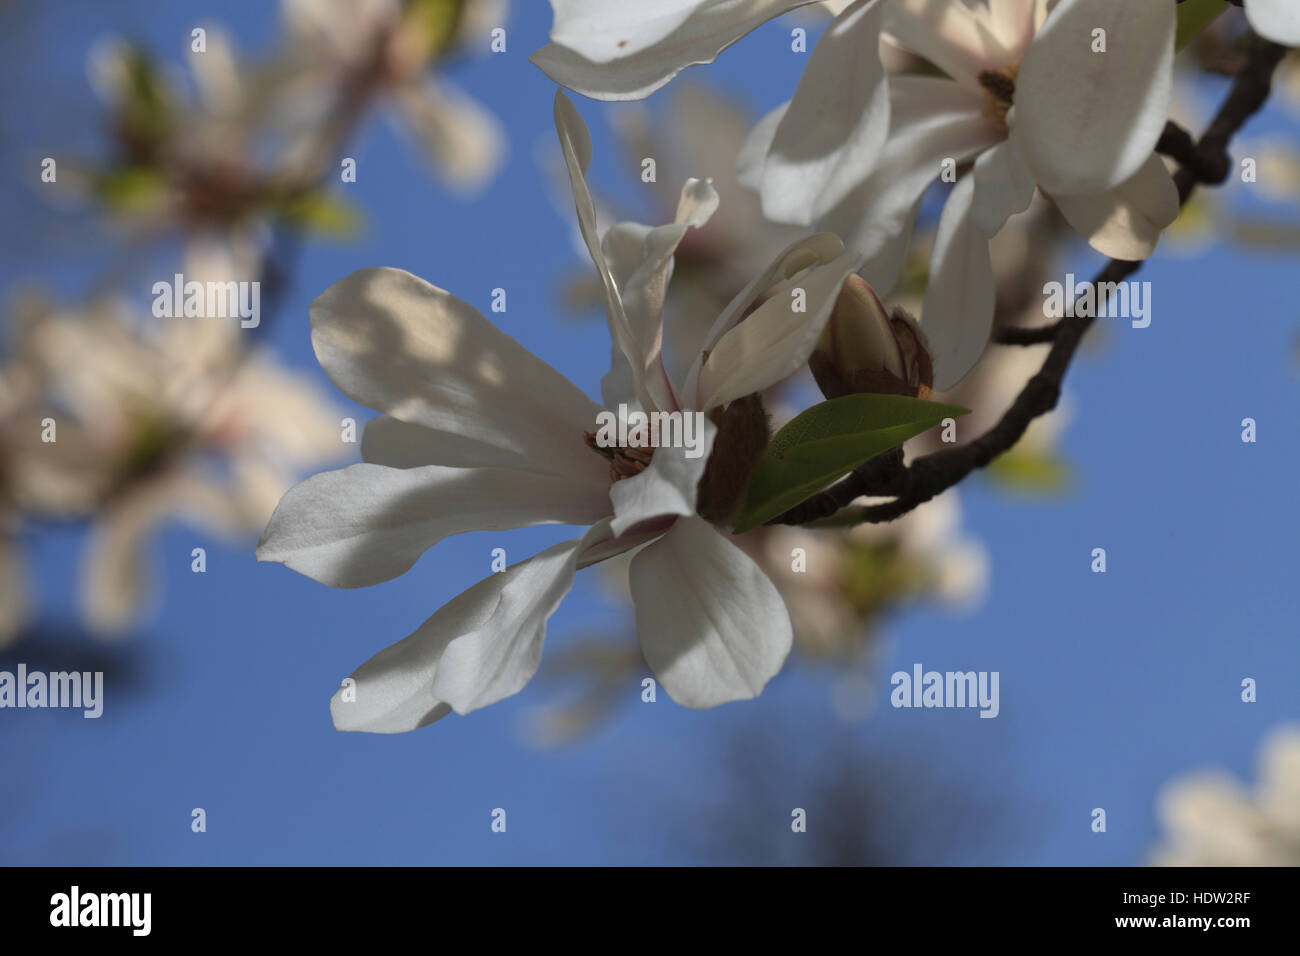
x=1211 y=819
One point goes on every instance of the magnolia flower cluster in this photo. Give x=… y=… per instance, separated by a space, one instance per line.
x=106 y=419
x=1066 y=98
x=254 y=143
x=479 y=434
x=1014 y=103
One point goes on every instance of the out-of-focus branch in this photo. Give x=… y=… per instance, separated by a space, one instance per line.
x=930 y=475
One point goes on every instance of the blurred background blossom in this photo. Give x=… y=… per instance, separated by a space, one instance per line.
x=1212 y=819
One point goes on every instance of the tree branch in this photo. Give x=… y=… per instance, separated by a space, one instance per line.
x=1207 y=161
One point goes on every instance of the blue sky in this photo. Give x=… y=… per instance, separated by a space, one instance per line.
x=1110 y=684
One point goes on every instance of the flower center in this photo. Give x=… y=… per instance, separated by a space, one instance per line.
x=999 y=93
x=624 y=461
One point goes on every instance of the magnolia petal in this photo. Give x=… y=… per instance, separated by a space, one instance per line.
x=752 y=157
x=802 y=254
x=575 y=144
x=464 y=142
x=1003 y=187
x=626 y=51
x=774 y=342
x=339 y=25
x=13 y=592
x=950 y=35
x=397 y=444
x=1276 y=20
x=217 y=75
x=1126 y=222
x=116 y=579
x=933 y=123
x=399 y=345
x=364 y=524
x=669 y=484
x=957 y=314
x=483 y=645
x=641 y=262
x=1014 y=23
x=832 y=133
x=712 y=627
x=1087 y=121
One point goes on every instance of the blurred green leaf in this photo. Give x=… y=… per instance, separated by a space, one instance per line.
x=1194 y=16
x=323 y=214
x=146 y=108
x=1030 y=471
x=132 y=189
x=828 y=441
x=438 y=22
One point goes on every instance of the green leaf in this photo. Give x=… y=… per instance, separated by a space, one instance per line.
x=323 y=214
x=1030 y=472
x=132 y=189
x=438 y=22
x=1194 y=16
x=829 y=440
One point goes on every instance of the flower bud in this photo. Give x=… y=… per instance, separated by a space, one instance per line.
x=865 y=349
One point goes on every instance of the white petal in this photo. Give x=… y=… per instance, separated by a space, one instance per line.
x=1014 y=23
x=575 y=144
x=1276 y=20
x=340 y=25
x=774 y=341
x=830 y=136
x=364 y=524
x=13 y=591
x=1126 y=222
x=958 y=311
x=397 y=444
x=948 y=34
x=485 y=644
x=641 y=261
x=463 y=141
x=1003 y=187
x=712 y=627
x=217 y=74
x=626 y=51
x=117 y=584
x=753 y=151
x=1086 y=121
x=934 y=123
x=399 y=345
x=802 y=254
x=669 y=484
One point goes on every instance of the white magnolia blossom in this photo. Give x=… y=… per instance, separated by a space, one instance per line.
x=332 y=43
x=1070 y=102
x=208 y=152
x=160 y=424
x=1277 y=20
x=813 y=154
x=626 y=50
x=480 y=434
x=1211 y=819
x=1034 y=102
x=699 y=135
